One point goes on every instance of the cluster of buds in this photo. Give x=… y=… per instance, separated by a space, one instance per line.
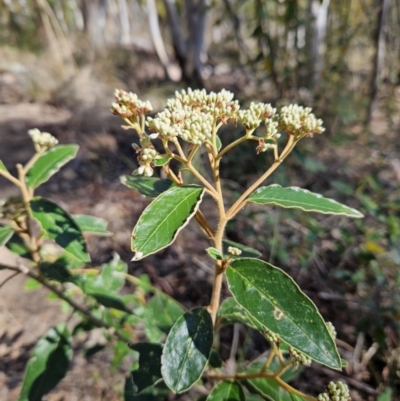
x=232 y=251
x=220 y=105
x=335 y=392
x=255 y=114
x=272 y=337
x=42 y=140
x=192 y=114
x=331 y=329
x=299 y=358
x=129 y=106
x=264 y=146
x=147 y=155
x=299 y=121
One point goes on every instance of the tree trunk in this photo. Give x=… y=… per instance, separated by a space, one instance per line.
x=189 y=52
x=380 y=46
x=94 y=18
x=315 y=39
x=124 y=20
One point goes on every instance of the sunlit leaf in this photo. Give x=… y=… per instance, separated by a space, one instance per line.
x=49 y=363
x=50 y=163
x=214 y=253
x=187 y=350
x=227 y=391
x=60 y=227
x=275 y=301
x=162 y=220
x=92 y=225
x=147 y=186
x=298 y=198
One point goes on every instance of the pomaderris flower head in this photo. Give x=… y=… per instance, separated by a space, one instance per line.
x=42 y=140
x=335 y=392
x=299 y=121
x=129 y=106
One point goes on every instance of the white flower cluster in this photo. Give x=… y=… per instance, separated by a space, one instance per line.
x=271 y=129
x=128 y=105
x=331 y=329
x=192 y=113
x=146 y=162
x=42 y=140
x=255 y=114
x=234 y=251
x=299 y=358
x=299 y=121
x=263 y=147
x=335 y=392
x=147 y=155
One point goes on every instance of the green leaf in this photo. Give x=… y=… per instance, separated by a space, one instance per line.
x=215 y=359
x=162 y=220
x=247 y=252
x=187 y=350
x=296 y=397
x=60 y=227
x=386 y=395
x=298 y=198
x=163 y=311
x=344 y=363
x=17 y=245
x=218 y=143
x=268 y=388
x=49 y=363
x=6 y=233
x=50 y=163
x=231 y=312
x=214 y=253
x=149 y=187
x=129 y=390
x=91 y=225
x=110 y=301
x=274 y=301
x=3 y=167
x=57 y=270
x=289 y=374
x=31 y=284
x=158 y=392
x=110 y=280
x=161 y=161
x=227 y=391
x=149 y=365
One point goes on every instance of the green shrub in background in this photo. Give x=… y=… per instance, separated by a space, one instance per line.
x=264 y=297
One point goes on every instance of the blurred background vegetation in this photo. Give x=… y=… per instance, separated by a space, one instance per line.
x=61 y=60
